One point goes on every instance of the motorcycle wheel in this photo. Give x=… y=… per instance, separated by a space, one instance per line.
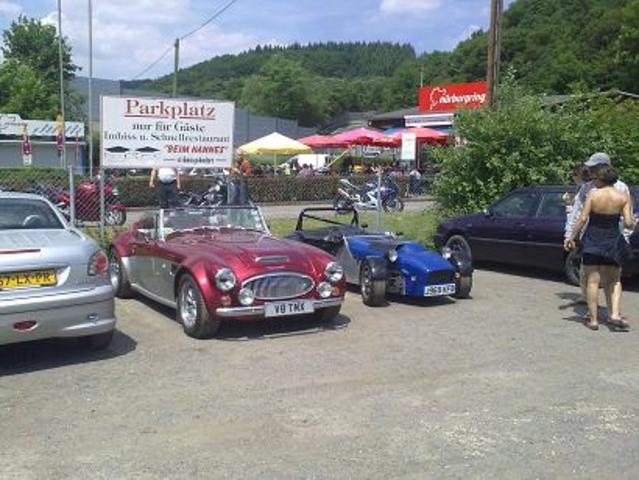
x=394 y=205
x=115 y=217
x=342 y=203
x=184 y=199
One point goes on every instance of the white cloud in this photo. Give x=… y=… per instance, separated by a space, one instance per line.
x=128 y=35
x=9 y=9
x=409 y=6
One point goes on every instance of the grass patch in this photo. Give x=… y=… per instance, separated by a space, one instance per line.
x=417 y=226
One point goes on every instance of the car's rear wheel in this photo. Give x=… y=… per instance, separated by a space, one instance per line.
x=192 y=311
x=99 y=341
x=464 y=285
x=458 y=244
x=373 y=290
x=118 y=276
x=572 y=267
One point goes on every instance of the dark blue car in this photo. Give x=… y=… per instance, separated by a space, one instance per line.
x=381 y=263
x=525 y=227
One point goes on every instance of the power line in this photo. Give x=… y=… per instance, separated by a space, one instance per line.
x=164 y=54
x=159 y=59
x=210 y=19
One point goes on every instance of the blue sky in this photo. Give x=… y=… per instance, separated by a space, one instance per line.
x=130 y=34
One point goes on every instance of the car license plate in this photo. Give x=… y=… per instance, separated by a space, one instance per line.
x=282 y=309
x=439 y=290
x=41 y=278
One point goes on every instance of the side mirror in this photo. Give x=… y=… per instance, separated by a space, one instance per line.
x=487 y=212
x=364 y=225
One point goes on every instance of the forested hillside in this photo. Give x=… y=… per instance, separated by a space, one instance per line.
x=553 y=46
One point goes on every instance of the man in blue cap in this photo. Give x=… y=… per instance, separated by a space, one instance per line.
x=593 y=163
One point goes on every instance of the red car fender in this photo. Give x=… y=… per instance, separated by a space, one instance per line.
x=122 y=245
x=203 y=272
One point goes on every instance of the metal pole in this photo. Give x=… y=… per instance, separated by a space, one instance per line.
x=71 y=195
x=494 y=50
x=63 y=156
x=379 y=199
x=176 y=67
x=90 y=89
x=102 y=205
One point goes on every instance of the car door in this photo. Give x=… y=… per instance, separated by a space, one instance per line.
x=500 y=235
x=545 y=232
x=164 y=266
x=143 y=248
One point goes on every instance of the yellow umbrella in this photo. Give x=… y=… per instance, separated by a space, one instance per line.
x=275 y=144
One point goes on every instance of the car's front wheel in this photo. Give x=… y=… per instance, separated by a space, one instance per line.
x=459 y=244
x=464 y=285
x=99 y=341
x=192 y=311
x=572 y=267
x=373 y=290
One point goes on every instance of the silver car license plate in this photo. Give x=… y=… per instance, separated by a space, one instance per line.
x=439 y=290
x=281 y=309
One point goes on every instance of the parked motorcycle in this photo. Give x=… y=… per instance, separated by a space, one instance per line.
x=365 y=197
x=217 y=194
x=87 y=203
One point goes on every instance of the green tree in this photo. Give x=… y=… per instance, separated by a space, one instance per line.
x=30 y=74
x=286 y=89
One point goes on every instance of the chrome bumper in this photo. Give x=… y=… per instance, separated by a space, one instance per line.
x=259 y=311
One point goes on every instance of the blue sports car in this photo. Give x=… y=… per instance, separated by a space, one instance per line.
x=381 y=263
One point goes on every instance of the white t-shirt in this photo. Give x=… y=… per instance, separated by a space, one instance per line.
x=167 y=175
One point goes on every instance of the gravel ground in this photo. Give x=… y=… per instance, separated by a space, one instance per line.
x=507 y=385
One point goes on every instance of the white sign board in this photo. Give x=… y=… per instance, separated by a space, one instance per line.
x=144 y=132
x=12 y=124
x=409 y=147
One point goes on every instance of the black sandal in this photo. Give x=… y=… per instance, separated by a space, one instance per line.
x=592 y=326
x=619 y=323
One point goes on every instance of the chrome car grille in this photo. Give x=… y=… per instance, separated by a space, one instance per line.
x=441 y=276
x=278 y=286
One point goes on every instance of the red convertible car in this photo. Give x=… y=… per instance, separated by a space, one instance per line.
x=214 y=263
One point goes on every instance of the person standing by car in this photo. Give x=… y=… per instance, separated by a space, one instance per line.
x=169 y=182
x=240 y=171
x=605 y=249
x=596 y=161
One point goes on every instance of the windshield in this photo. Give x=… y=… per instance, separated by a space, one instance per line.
x=27 y=214
x=212 y=218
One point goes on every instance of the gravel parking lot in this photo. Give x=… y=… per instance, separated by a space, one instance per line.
x=507 y=385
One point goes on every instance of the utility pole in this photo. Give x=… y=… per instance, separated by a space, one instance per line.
x=90 y=89
x=176 y=67
x=63 y=153
x=494 y=50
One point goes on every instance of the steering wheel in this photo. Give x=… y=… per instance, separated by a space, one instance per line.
x=33 y=221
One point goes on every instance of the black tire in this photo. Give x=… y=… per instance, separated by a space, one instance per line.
x=326 y=315
x=373 y=291
x=184 y=199
x=394 y=205
x=118 y=276
x=99 y=341
x=192 y=311
x=572 y=267
x=463 y=286
x=457 y=243
x=342 y=203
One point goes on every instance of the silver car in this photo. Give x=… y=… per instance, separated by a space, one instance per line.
x=54 y=279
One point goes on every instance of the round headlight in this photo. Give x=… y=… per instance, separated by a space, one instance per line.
x=225 y=279
x=447 y=253
x=334 y=272
x=392 y=255
x=246 y=296
x=324 y=289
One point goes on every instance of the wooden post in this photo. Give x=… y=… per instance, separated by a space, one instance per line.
x=494 y=50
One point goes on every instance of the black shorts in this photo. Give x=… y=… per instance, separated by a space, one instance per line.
x=592 y=259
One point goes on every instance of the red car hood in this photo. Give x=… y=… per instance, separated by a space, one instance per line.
x=246 y=251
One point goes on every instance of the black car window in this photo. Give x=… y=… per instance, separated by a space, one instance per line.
x=552 y=206
x=516 y=205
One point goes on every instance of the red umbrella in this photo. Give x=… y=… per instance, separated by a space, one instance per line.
x=424 y=134
x=387 y=142
x=322 y=141
x=358 y=136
